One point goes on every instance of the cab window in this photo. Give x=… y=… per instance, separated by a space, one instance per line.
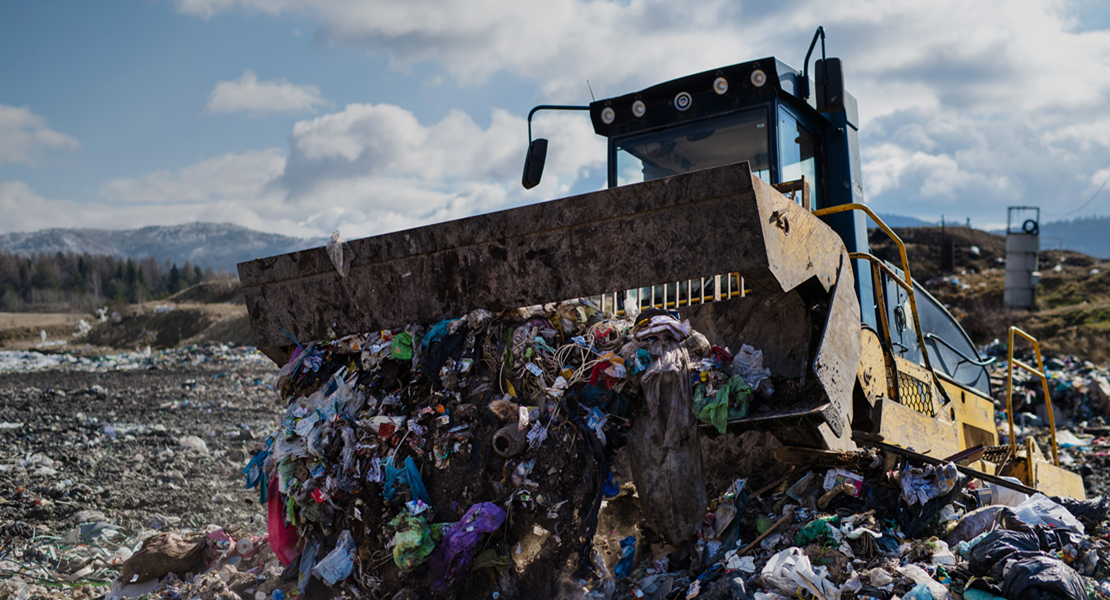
x=798 y=151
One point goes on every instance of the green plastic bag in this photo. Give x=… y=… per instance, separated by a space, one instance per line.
x=402 y=346
x=412 y=544
x=817 y=530
x=731 y=402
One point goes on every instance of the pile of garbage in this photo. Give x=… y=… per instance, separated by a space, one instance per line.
x=1080 y=394
x=30 y=360
x=493 y=456
x=94 y=462
x=476 y=457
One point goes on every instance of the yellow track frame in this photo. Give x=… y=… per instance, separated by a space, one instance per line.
x=1039 y=372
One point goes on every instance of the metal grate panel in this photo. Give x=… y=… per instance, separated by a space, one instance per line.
x=915 y=394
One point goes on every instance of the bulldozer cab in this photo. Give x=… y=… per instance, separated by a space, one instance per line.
x=760 y=112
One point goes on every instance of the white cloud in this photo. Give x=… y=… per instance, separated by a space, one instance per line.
x=367 y=169
x=24 y=136
x=26 y=210
x=968 y=54
x=979 y=105
x=231 y=176
x=248 y=94
x=378 y=169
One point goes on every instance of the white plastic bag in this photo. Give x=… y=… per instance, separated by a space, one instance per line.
x=920 y=577
x=1039 y=510
x=1003 y=496
x=748 y=364
x=790 y=569
x=339 y=563
x=340 y=253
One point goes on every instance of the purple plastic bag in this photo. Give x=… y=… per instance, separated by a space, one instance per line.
x=452 y=558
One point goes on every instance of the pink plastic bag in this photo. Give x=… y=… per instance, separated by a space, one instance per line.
x=283 y=539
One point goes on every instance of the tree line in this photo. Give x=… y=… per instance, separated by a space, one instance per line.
x=85 y=282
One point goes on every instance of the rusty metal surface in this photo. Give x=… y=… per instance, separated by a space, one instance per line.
x=837 y=358
x=682 y=227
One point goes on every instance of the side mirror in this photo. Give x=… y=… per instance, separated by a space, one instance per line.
x=830 y=95
x=533 y=163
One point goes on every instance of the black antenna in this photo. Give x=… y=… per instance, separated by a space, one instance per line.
x=592 y=99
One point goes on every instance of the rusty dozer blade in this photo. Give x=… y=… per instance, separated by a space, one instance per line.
x=802 y=312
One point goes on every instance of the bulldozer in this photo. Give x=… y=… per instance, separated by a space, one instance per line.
x=735 y=199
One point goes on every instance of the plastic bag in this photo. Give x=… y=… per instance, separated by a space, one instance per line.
x=1089 y=512
x=1002 y=496
x=819 y=530
x=731 y=402
x=413 y=541
x=283 y=539
x=339 y=563
x=921 y=578
x=340 y=253
x=998 y=547
x=410 y=476
x=803 y=487
x=920 y=485
x=919 y=592
x=879 y=577
x=1042 y=578
x=748 y=363
x=460 y=542
x=974 y=524
x=942 y=554
x=1039 y=510
x=628 y=553
x=790 y=569
x=401 y=347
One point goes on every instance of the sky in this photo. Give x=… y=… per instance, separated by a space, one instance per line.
x=302 y=117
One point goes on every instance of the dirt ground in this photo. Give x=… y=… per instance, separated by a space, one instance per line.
x=113 y=445
x=21 y=330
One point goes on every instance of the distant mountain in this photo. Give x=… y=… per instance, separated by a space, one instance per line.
x=216 y=245
x=900 y=221
x=1084 y=234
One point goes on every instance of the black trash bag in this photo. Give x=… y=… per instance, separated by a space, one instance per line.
x=998 y=547
x=1090 y=512
x=1053 y=540
x=916 y=519
x=1042 y=578
x=449 y=346
x=605 y=400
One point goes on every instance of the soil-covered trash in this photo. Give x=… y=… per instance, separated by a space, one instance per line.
x=112 y=450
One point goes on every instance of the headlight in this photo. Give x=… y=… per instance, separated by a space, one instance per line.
x=720 y=85
x=683 y=100
x=758 y=78
x=608 y=115
x=638 y=108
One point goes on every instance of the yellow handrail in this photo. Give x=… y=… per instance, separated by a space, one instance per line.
x=1039 y=372
x=905 y=266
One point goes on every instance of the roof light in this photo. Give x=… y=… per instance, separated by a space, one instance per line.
x=720 y=85
x=608 y=115
x=683 y=100
x=638 y=108
x=758 y=78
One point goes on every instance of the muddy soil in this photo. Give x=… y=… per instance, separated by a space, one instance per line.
x=157 y=447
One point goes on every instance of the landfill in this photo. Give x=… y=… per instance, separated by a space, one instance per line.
x=555 y=451
x=100 y=452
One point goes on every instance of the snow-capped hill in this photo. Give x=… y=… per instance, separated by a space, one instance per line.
x=216 y=245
